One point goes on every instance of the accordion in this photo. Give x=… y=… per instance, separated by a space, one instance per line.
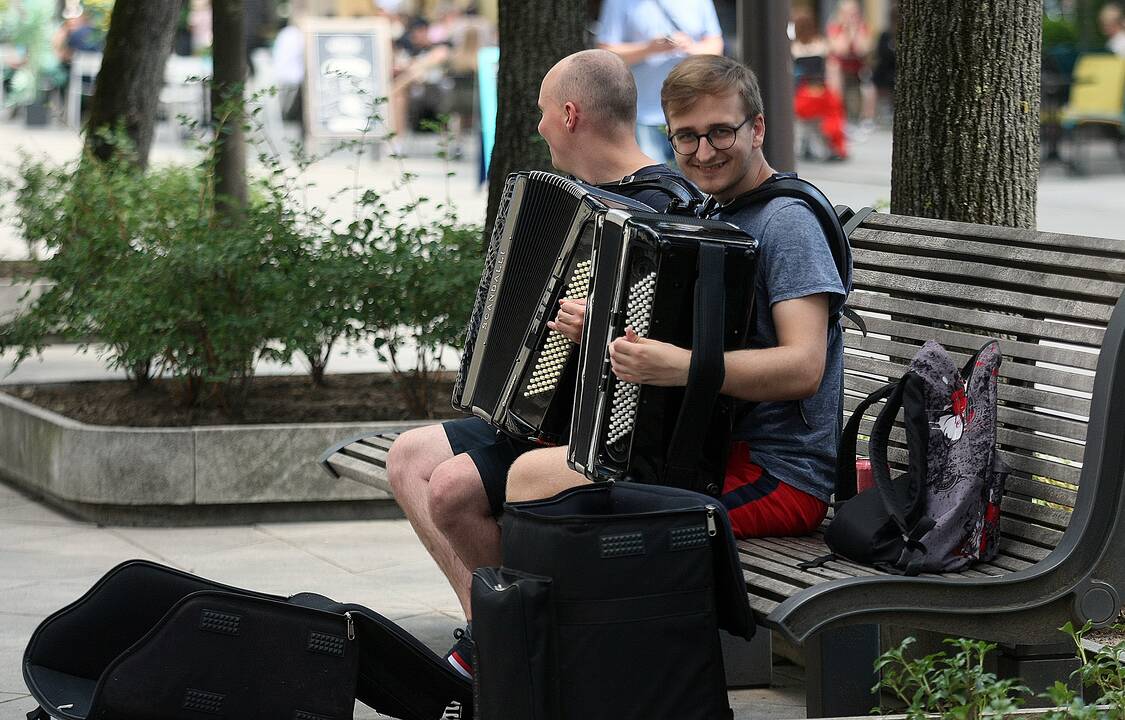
x=516 y=373
x=688 y=282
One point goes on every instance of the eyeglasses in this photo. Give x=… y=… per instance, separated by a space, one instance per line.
x=721 y=138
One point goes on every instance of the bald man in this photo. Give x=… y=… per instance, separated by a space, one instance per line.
x=450 y=478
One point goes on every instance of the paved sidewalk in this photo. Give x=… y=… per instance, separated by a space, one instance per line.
x=48 y=560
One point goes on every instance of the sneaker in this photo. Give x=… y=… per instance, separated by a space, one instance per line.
x=460 y=656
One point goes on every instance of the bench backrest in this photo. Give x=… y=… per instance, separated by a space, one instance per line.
x=1046 y=297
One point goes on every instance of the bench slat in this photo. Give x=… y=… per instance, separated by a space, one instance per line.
x=1031 y=466
x=767 y=560
x=768 y=587
x=382 y=440
x=990 y=323
x=1019 y=485
x=1022 y=551
x=1042 y=259
x=1019 y=302
x=1081 y=382
x=1006 y=438
x=1034 y=397
x=1004 y=236
x=1025 y=532
x=360 y=471
x=960 y=341
x=367 y=453
x=1008 y=415
x=1034 y=514
x=989 y=277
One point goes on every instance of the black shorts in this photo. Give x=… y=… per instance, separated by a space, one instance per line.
x=490 y=450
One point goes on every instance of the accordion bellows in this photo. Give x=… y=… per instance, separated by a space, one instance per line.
x=515 y=372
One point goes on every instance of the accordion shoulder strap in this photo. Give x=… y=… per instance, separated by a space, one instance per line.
x=707 y=370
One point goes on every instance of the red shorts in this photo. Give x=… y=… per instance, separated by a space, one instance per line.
x=763 y=506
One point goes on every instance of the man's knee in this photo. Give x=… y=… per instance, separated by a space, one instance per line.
x=414 y=454
x=456 y=490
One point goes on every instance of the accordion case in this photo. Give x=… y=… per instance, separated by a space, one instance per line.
x=685 y=281
x=148 y=641
x=516 y=373
x=608 y=607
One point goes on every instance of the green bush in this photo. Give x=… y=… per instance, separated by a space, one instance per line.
x=144 y=264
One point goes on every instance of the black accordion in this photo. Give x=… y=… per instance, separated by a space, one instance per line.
x=684 y=281
x=516 y=373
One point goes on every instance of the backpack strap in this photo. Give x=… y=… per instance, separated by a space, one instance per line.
x=706 y=372
x=904 y=499
x=685 y=196
x=38 y=714
x=845 y=454
x=789 y=185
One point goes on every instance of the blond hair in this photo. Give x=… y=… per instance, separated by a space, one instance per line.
x=709 y=75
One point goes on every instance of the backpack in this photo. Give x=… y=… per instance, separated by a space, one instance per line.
x=837 y=223
x=684 y=198
x=943 y=513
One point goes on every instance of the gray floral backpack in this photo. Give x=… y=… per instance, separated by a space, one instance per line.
x=943 y=513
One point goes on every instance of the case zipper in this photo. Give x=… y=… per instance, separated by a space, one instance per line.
x=351 y=625
x=711 y=530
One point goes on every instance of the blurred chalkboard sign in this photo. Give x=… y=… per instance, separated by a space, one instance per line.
x=348 y=73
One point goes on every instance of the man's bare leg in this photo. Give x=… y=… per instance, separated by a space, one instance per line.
x=460 y=510
x=540 y=474
x=410 y=464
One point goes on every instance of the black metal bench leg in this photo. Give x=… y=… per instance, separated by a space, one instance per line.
x=1038 y=667
x=840 y=671
x=748 y=664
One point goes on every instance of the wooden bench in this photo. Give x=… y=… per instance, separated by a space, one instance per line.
x=1051 y=300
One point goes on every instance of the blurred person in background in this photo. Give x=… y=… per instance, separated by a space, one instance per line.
x=813 y=99
x=289 y=70
x=884 y=73
x=653 y=36
x=1111 y=21
x=76 y=34
x=849 y=44
x=416 y=91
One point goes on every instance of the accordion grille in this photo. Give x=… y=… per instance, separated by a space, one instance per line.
x=558 y=348
x=545 y=219
x=638 y=312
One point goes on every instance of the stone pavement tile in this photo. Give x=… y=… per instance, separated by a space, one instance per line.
x=372 y=593
x=271 y=567
x=181 y=546
x=17 y=535
x=28 y=512
x=15 y=631
x=421 y=582
x=40 y=599
x=435 y=630
x=80 y=557
x=15 y=707
x=358 y=546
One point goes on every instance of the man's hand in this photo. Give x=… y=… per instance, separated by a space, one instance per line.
x=648 y=362
x=572 y=313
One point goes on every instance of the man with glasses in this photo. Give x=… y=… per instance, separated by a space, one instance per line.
x=781 y=469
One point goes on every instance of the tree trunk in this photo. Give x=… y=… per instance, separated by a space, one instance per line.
x=132 y=73
x=227 y=104
x=533 y=37
x=966 y=130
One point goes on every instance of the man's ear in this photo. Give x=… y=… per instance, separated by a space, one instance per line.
x=571 y=111
x=759 y=131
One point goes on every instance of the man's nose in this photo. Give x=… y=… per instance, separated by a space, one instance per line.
x=705 y=151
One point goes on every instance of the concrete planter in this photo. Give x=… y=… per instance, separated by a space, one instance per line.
x=142 y=475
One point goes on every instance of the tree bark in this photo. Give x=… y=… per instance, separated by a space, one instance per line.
x=533 y=37
x=132 y=73
x=966 y=129
x=227 y=103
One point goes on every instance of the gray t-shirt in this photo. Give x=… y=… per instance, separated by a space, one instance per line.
x=794 y=260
